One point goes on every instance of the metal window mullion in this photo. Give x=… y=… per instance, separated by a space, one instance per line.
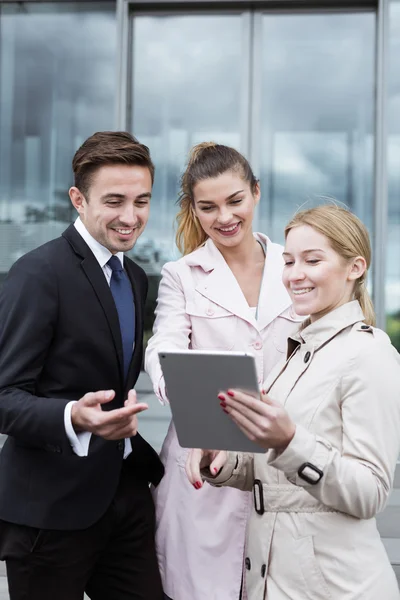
x=123 y=53
x=381 y=183
x=255 y=132
x=245 y=104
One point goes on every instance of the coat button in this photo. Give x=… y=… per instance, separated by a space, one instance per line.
x=307 y=356
x=209 y=312
x=364 y=326
x=258 y=345
x=247 y=562
x=121 y=445
x=263 y=571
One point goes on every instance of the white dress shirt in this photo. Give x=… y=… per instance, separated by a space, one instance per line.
x=80 y=441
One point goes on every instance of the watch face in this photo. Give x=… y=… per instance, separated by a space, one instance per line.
x=310 y=473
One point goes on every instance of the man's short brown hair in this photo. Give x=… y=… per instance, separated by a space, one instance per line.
x=108 y=148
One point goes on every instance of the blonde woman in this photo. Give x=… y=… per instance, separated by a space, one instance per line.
x=329 y=422
x=225 y=293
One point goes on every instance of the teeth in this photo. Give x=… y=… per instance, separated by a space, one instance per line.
x=228 y=228
x=303 y=291
x=124 y=231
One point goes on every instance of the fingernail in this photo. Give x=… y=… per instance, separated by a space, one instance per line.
x=231 y=394
x=263 y=392
x=109 y=393
x=198 y=483
x=195 y=486
x=221 y=397
x=222 y=404
x=215 y=470
x=225 y=411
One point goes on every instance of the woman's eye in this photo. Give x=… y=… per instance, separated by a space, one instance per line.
x=288 y=262
x=313 y=261
x=207 y=208
x=237 y=201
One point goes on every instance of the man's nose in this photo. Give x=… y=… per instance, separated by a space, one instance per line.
x=128 y=215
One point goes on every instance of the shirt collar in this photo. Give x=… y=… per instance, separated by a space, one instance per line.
x=101 y=253
x=325 y=328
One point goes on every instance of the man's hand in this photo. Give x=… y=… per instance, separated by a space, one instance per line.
x=87 y=415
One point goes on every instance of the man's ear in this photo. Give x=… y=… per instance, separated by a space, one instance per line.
x=77 y=199
x=358 y=268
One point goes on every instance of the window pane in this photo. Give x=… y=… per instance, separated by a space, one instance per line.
x=317 y=119
x=57 y=86
x=393 y=237
x=187 y=88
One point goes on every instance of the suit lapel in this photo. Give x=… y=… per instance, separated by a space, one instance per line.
x=138 y=298
x=96 y=277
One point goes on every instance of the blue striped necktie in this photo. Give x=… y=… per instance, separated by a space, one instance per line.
x=121 y=290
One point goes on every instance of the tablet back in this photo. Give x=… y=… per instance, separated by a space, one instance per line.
x=193 y=381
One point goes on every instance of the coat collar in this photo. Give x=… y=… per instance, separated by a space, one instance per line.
x=222 y=288
x=327 y=327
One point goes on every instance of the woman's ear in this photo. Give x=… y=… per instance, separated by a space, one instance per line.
x=358 y=268
x=257 y=192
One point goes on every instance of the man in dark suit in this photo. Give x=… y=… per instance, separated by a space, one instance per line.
x=76 y=512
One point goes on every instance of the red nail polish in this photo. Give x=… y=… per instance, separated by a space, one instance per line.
x=221 y=397
x=225 y=411
x=231 y=394
x=222 y=404
x=198 y=483
x=215 y=470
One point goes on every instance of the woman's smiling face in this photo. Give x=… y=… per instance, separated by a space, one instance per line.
x=224 y=206
x=317 y=278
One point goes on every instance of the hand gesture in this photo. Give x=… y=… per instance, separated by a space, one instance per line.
x=200 y=459
x=117 y=424
x=264 y=422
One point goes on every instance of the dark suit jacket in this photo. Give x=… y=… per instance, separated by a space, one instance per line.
x=60 y=338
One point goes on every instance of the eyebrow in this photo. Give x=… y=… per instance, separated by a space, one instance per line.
x=305 y=251
x=122 y=196
x=228 y=198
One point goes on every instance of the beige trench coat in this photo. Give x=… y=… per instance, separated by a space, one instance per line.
x=341 y=386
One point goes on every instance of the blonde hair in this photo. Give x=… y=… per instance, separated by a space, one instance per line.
x=348 y=236
x=206 y=160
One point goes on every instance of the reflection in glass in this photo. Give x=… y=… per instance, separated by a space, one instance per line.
x=317 y=114
x=186 y=89
x=57 y=87
x=393 y=237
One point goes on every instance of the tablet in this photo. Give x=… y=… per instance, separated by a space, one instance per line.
x=193 y=380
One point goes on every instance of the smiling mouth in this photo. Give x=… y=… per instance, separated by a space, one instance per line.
x=124 y=231
x=228 y=230
x=302 y=291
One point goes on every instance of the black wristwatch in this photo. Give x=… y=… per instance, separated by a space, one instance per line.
x=310 y=473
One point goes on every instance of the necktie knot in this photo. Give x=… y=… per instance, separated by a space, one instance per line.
x=115 y=264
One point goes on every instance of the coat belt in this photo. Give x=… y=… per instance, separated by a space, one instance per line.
x=285 y=498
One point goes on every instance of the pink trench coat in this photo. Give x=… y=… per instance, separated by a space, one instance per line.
x=201 y=533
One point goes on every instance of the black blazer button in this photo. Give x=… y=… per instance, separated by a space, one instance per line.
x=307 y=356
x=120 y=445
x=247 y=562
x=263 y=571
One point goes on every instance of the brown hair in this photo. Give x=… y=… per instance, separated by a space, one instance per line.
x=108 y=148
x=348 y=236
x=206 y=160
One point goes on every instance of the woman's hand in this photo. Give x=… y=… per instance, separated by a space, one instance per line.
x=200 y=459
x=263 y=421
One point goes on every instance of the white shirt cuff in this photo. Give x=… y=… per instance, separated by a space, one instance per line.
x=79 y=441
